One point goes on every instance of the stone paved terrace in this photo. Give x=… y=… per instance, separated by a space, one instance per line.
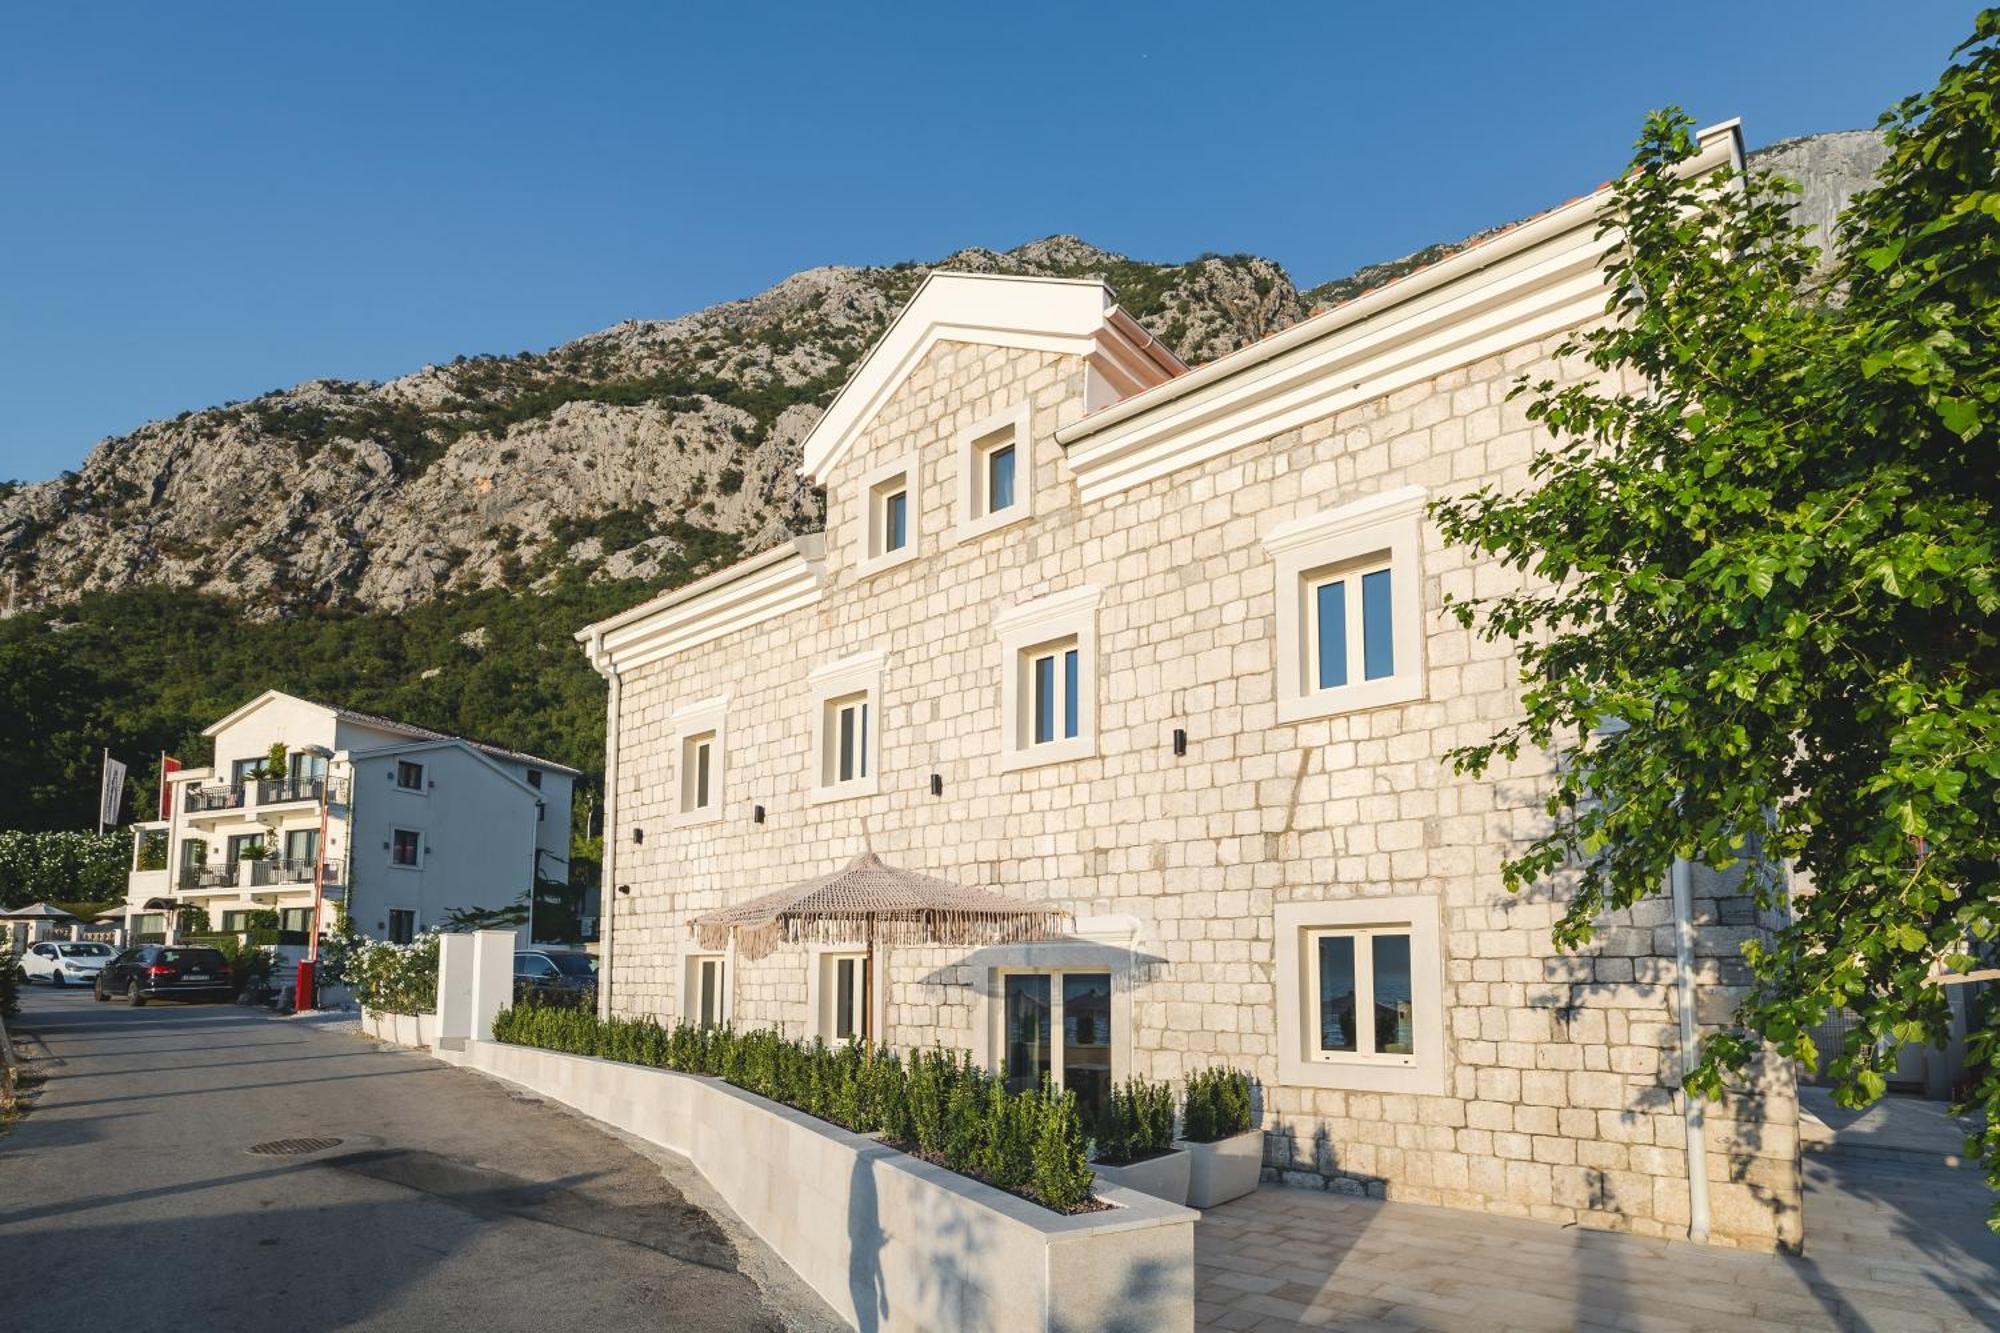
x=1893 y=1243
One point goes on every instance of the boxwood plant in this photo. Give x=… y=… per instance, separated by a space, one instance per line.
x=933 y=1103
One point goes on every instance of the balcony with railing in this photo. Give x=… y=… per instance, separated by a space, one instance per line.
x=268 y=873
x=290 y=789
x=262 y=792
x=211 y=800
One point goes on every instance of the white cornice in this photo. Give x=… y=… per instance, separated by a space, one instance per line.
x=1539 y=278
x=1074 y=317
x=1386 y=507
x=1055 y=608
x=786 y=578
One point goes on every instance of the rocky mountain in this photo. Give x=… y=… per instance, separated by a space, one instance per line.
x=623 y=454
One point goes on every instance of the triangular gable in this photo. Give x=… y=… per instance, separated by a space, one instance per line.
x=1077 y=317
x=420 y=746
x=215 y=728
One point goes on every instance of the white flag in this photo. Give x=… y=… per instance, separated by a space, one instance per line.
x=113 y=794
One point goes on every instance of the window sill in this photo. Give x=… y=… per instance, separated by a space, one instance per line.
x=843 y=791
x=881 y=564
x=1360 y=1076
x=710 y=814
x=970 y=528
x=1050 y=752
x=1351 y=698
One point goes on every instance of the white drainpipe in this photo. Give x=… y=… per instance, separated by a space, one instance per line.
x=1681 y=879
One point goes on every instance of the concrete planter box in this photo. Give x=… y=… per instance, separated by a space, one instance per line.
x=1224 y=1170
x=1163 y=1177
x=418 y=1030
x=890 y=1241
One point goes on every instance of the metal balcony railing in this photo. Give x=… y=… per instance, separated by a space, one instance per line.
x=223 y=876
x=290 y=789
x=203 y=799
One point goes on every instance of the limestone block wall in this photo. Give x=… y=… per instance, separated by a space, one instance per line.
x=1557 y=1097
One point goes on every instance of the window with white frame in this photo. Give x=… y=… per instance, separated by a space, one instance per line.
x=847 y=727
x=1056 y=1027
x=887 y=531
x=1048 y=665
x=846 y=997
x=996 y=471
x=707 y=990
x=1361 y=990
x=1350 y=606
x=702 y=760
x=697 y=769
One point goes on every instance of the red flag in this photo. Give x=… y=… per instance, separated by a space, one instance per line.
x=168 y=764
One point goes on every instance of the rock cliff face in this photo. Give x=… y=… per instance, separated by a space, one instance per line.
x=620 y=453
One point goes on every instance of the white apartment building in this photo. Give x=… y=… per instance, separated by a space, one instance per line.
x=398 y=823
x=1169 y=648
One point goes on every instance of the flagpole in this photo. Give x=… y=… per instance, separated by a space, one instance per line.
x=103 y=771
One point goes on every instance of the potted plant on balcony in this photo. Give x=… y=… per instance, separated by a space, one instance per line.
x=1132 y=1141
x=1225 y=1151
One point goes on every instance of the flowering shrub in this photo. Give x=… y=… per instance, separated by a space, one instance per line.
x=395 y=978
x=936 y=1104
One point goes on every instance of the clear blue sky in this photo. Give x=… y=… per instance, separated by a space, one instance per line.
x=204 y=206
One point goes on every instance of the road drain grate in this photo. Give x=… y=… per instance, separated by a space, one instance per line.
x=293 y=1147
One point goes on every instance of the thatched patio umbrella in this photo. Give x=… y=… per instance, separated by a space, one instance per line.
x=868 y=902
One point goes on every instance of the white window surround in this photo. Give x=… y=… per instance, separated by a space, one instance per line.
x=861 y=675
x=707 y=717
x=869 y=516
x=974 y=443
x=1299 y=1064
x=691 y=969
x=1385 y=528
x=1056 y=618
x=820 y=997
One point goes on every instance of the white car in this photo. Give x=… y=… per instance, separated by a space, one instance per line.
x=66 y=962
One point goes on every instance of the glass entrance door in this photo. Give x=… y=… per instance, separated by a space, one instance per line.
x=1057 y=1026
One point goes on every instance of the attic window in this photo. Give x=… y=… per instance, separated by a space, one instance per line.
x=887 y=516
x=996 y=471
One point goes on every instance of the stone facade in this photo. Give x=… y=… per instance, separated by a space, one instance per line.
x=1554 y=1092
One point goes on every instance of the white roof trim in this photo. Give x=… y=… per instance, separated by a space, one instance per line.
x=1075 y=317
x=215 y=728
x=783 y=579
x=1539 y=278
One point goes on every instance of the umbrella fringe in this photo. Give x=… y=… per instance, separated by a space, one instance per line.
x=943 y=928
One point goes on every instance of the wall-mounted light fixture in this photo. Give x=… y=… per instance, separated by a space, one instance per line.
x=638 y=835
x=756 y=814
x=625 y=888
x=1180 y=741
x=937 y=784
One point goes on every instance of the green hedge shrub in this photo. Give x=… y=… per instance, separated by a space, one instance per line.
x=1137 y=1122
x=936 y=1103
x=1216 y=1105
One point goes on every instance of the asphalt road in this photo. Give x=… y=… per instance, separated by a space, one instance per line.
x=130 y=1199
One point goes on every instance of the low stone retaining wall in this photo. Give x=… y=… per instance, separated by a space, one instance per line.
x=889 y=1240
x=419 y=1030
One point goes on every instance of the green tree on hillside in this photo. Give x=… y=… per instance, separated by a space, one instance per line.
x=1772 y=557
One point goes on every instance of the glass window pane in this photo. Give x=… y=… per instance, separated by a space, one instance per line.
x=1000 y=479
x=843 y=998
x=1045 y=703
x=1086 y=1056
x=1378 y=639
x=1336 y=992
x=895 y=521
x=1069 y=693
x=701 y=776
x=846 y=769
x=861 y=745
x=1025 y=1005
x=1330 y=615
x=1393 y=1003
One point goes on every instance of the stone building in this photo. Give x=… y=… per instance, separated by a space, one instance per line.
x=1167 y=647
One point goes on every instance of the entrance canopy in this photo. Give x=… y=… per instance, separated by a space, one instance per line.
x=866 y=902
